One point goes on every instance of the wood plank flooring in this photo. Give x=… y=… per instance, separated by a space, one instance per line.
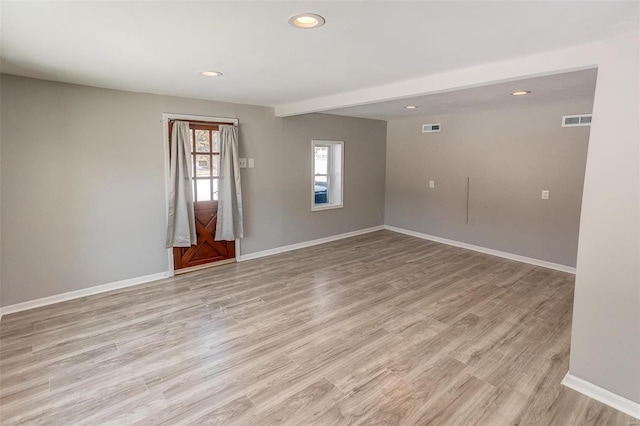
x=379 y=329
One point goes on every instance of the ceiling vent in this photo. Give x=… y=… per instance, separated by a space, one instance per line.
x=430 y=128
x=576 y=120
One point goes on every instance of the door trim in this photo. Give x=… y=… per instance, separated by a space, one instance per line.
x=166 y=116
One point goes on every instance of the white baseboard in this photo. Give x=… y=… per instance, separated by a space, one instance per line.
x=80 y=293
x=510 y=256
x=147 y=278
x=609 y=398
x=304 y=244
x=153 y=277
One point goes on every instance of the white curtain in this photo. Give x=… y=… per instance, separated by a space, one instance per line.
x=229 y=225
x=181 y=226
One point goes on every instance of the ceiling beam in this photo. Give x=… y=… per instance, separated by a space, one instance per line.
x=554 y=62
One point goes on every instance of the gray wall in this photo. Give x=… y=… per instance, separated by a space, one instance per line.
x=364 y=171
x=82 y=181
x=510 y=157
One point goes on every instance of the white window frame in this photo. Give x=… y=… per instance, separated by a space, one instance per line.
x=335 y=175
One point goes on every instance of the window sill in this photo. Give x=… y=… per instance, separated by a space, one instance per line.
x=316 y=208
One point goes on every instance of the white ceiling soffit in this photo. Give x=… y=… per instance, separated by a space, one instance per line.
x=161 y=47
x=569 y=86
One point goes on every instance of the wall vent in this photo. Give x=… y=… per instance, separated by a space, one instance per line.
x=430 y=128
x=576 y=120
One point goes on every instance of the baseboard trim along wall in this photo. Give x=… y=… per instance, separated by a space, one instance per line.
x=50 y=300
x=609 y=398
x=305 y=244
x=31 y=304
x=510 y=256
x=241 y=258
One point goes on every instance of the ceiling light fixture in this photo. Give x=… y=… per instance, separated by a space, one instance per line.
x=211 y=73
x=306 y=21
x=521 y=92
x=410 y=107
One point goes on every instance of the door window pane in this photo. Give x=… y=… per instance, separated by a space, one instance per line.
x=202 y=141
x=203 y=190
x=216 y=166
x=215 y=188
x=205 y=161
x=203 y=165
x=214 y=145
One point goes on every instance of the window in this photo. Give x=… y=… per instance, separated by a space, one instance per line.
x=327 y=159
x=205 y=155
x=205 y=159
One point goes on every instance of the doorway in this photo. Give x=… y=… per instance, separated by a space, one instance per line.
x=205 y=162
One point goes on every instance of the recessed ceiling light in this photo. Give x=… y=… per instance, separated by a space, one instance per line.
x=410 y=107
x=521 y=92
x=211 y=73
x=306 y=21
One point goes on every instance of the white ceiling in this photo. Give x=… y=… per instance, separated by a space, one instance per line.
x=160 y=47
x=573 y=86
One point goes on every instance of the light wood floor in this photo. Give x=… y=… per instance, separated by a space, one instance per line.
x=377 y=329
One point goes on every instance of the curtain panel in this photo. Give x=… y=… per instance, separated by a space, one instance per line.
x=229 y=225
x=181 y=224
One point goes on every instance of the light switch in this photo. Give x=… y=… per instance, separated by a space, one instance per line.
x=545 y=194
x=432 y=184
x=243 y=163
x=252 y=163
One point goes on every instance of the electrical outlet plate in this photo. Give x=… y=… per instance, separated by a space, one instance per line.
x=242 y=162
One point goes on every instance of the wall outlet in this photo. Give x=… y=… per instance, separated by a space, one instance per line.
x=545 y=194
x=252 y=163
x=243 y=163
x=472 y=221
x=432 y=184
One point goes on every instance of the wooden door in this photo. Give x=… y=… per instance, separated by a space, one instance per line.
x=205 y=157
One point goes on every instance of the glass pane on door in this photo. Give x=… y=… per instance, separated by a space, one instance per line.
x=215 y=170
x=202 y=141
x=214 y=144
x=203 y=165
x=203 y=190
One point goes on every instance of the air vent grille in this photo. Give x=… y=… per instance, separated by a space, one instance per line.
x=431 y=128
x=576 y=120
